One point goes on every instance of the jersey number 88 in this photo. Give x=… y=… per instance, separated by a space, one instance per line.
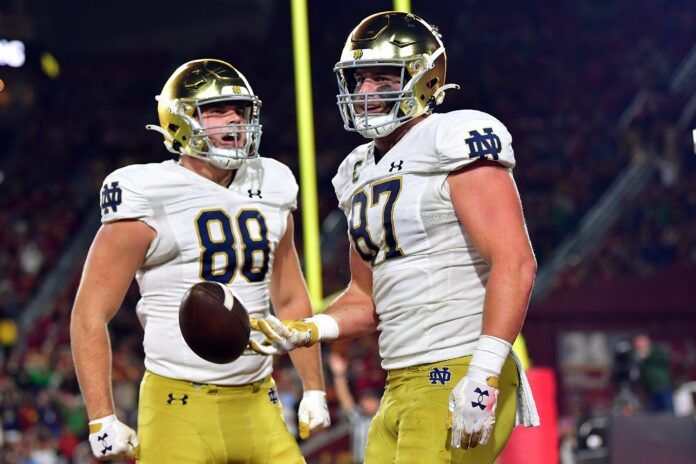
x=255 y=249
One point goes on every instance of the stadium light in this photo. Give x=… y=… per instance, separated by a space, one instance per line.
x=12 y=53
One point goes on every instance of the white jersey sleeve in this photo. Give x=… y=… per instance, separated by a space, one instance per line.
x=122 y=197
x=463 y=137
x=287 y=186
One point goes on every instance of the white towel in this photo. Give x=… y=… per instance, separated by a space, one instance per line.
x=527 y=414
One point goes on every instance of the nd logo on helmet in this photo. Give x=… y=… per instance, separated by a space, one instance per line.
x=357 y=54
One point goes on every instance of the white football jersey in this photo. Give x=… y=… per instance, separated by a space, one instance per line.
x=429 y=282
x=204 y=232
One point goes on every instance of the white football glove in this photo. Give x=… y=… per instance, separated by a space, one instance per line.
x=472 y=405
x=313 y=413
x=473 y=400
x=284 y=336
x=110 y=439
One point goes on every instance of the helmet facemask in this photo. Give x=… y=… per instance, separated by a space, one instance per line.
x=402 y=41
x=354 y=105
x=403 y=103
x=246 y=136
x=209 y=82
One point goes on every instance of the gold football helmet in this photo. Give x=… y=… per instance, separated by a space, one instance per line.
x=202 y=82
x=406 y=42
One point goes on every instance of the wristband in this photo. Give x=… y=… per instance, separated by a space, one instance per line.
x=319 y=394
x=326 y=325
x=97 y=424
x=490 y=355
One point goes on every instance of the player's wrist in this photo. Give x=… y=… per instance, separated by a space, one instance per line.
x=105 y=419
x=97 y=424
x=320 y=394
x=488 y=358
x=327 y=327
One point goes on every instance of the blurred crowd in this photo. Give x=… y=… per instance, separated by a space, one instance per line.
x=659 y=230
x=559 y=76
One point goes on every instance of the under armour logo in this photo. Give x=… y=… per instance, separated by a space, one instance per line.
x=183 y=399
x=442 y=376
x=273 y=395
x=111 y=197
x=102 y=440
x=481 y=394
x=252 y=194
x=396 y=166
x=484 y=146
x=356 y=174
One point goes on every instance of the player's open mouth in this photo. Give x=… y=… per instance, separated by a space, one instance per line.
x=228 y=140
x=374 y=108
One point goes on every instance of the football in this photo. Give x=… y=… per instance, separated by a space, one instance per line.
x=214 y=323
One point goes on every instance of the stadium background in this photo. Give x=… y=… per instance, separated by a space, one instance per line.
x=599 y=98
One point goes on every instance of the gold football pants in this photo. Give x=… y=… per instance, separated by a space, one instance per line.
x=411 y=424
x=185 y=423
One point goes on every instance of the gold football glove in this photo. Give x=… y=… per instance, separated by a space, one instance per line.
x=283 y=336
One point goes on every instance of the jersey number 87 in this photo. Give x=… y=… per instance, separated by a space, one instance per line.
x=359 y=228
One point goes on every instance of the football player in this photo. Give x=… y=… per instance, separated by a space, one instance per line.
x=222 y=213
x=441 y=263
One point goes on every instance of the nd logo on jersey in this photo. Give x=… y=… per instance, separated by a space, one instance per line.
x=440 y=375
x=111 y=197
x=486 y=145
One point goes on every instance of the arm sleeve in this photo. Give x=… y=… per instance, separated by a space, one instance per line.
x=121 y=197
x=462 y=139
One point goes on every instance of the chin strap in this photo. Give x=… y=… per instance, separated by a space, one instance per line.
x=169 y=140
x=156 y=128
x=439 y=95
x=170 y=143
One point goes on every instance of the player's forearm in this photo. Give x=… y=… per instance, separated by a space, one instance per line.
x=307 y=362
x=507 y=296
x=354 y=314
x=297 y=307
x=92 y=357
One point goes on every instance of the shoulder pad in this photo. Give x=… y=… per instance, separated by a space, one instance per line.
x=122 y=194
x=463 y=137
x=275 y=179
x=349 y=170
